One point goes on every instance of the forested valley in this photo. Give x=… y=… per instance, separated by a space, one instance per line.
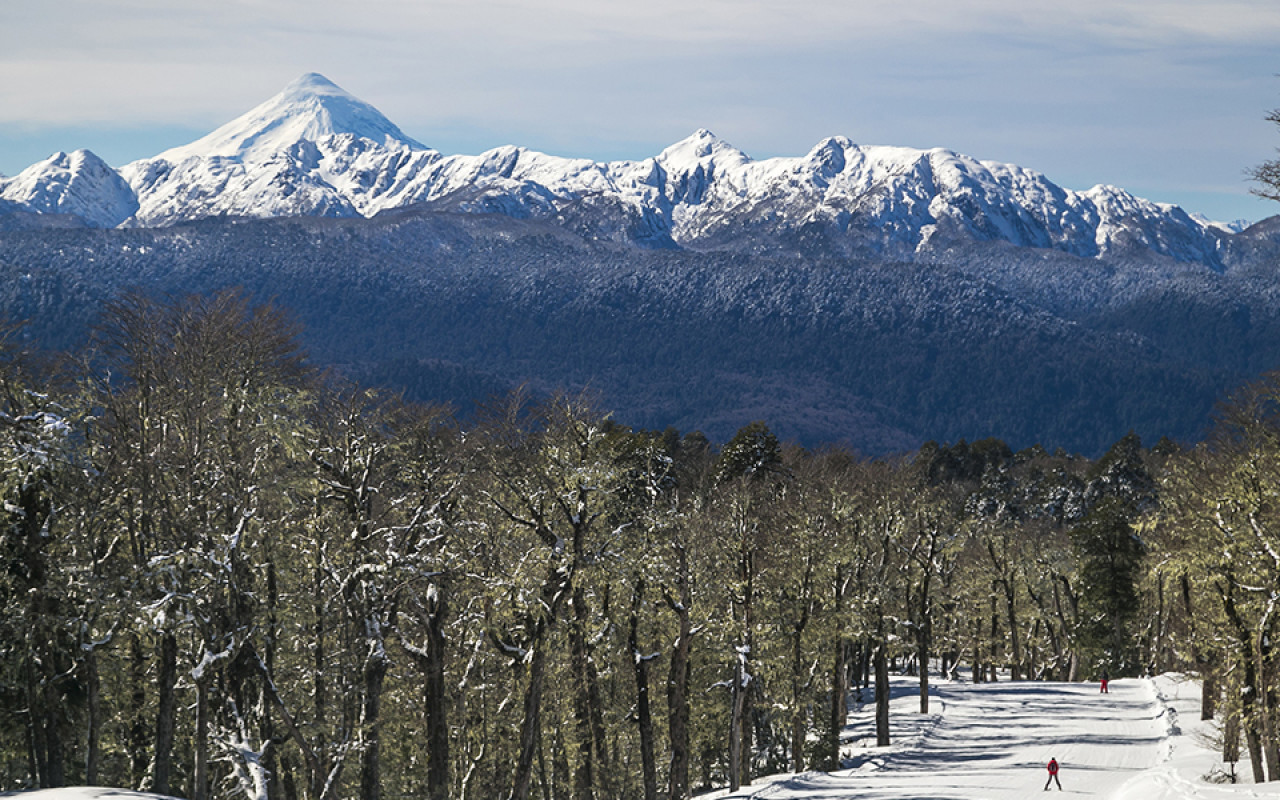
x=226 y=574
x=1021 y=344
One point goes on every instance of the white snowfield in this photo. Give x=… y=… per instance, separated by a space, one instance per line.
x=315 y=150
x=1142 y=741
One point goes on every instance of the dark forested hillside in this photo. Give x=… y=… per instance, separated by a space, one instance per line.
x=1025 y=345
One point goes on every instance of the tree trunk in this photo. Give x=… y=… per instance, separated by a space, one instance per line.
x=200 y=777
x=1204 y=665
x=167 y=714
x=839 y=709
x=267 y=664
x=1054 y=666
x=1073 y=658
x=678 y=691
x=56 y=765
x=995 y=636
x=1267 y=675
x=437 y=701
x=1015 y=645
x=882 y=694
x=924 y=642
x=745 y=683
x=1249 y=684
x=93 y=721
x=1157 y=661
x=1231 y=740
x=43 y=711
x=316 y=772
x=976 y=671
x=922 y=656
x=797 y=693
x=314 y=769
x=1208 y=695
x=584 y=774
x=554 y=586
x=138 y=744
x=738 y=699
x=36 y=746
x=531 y=724
x=1254 y=742
x=288 y=779
x=644 y=718
x=839 y=704
x=544 y=777
x=375 y=671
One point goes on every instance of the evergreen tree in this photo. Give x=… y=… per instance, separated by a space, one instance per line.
x=1110 y=556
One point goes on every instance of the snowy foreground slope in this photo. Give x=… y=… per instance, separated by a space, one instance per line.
x=1143 y=741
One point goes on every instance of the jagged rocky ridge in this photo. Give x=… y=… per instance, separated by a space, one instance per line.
x=875 y=296
x=314 y=150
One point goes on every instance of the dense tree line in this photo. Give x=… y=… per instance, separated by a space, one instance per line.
x=1024 y=344
x=223 y=574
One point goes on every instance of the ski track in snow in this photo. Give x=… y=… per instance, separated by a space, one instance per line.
x=1141 y=741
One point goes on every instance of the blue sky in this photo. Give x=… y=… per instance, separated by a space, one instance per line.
x=1165 y=98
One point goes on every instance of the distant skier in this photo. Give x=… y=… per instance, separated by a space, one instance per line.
x=1053 y=775
x=1105 y=680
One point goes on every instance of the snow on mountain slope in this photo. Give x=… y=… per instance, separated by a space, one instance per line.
x=309 y=109
x=1125 y=221
x=906 y=197
x=286 y=184
x=1142 y=741
x=1234 y=226
x=314 y=149
x=78 y=183
x=277 y=160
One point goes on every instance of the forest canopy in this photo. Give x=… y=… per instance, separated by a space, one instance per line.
x=226 y=574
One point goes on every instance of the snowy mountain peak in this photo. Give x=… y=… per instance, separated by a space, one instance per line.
x=76 y=183
x=1233 y=226
x=312 y=83
x=315 y=150
x=703 y=145
x=308 y=109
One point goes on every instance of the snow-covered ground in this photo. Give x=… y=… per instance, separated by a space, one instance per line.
x=1142 y=741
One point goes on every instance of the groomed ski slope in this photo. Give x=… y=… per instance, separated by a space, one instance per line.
x=1142 y=741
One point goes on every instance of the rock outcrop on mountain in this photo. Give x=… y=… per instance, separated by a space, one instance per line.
x=315 y=150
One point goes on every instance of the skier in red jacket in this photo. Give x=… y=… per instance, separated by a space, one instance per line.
x=1053 y=775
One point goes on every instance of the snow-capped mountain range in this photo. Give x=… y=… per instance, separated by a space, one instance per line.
x=316 y=150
